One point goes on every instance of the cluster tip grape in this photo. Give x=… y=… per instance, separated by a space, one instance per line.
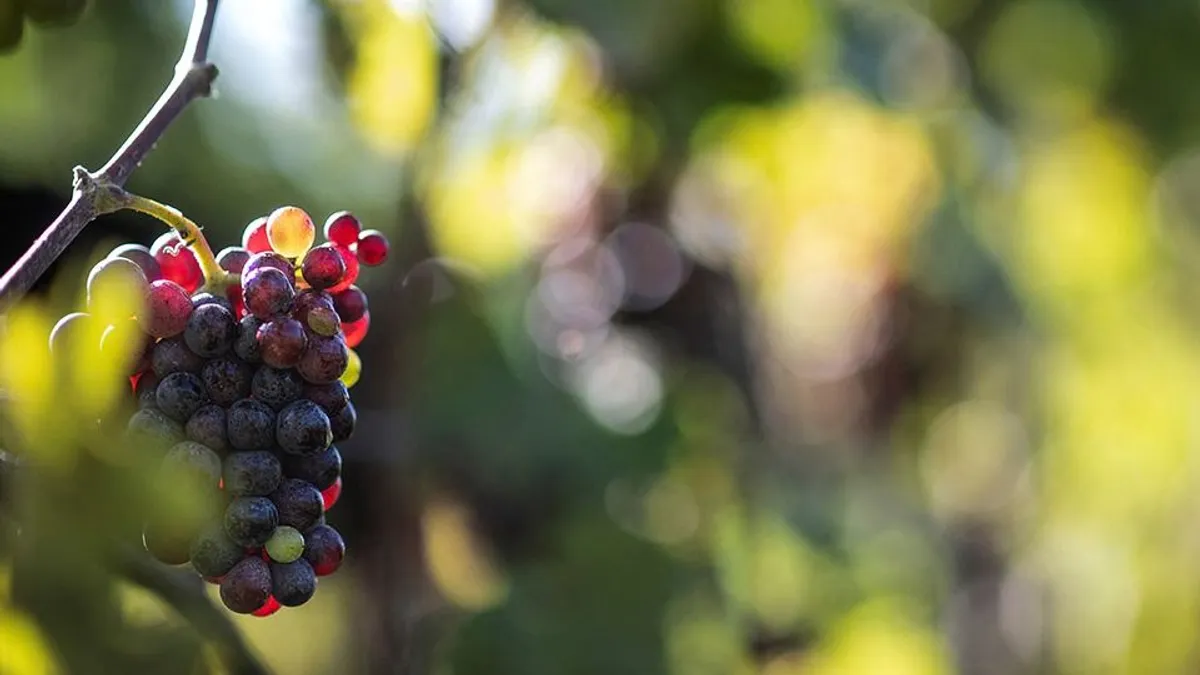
x=241 y=394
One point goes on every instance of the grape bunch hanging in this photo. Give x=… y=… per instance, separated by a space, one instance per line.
x=242 y=388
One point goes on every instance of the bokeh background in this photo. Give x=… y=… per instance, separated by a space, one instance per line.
x=779 y=337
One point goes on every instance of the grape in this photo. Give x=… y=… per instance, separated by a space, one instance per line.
x=207 y=426
x=173 y=356
x=331 y=397
x=357 y=330
x=324 y=549
x=321 y=469
x=323 y=267
x=298 y=504
x=115 y=287
x=324 y=360
x=276 y=388
x=330 y=495
x=125 y=343
x=372 y=248
x=140 y=256
x=285 y=545
x=353 y=370
x=169 y=545
x=247 y=586
x=303 y=428
x=308 y=300
x=178 y=262
x=72 y=334
x=290 y=231
x=343 y=422
x=54 y=12
x=342 y=228
x=166 y=310
x=266 y=259
x=226 y=380
x=269 y=607
x=249 y=521
x=246 y=345
x=282 y=341
x=268 y=293
x=351 y=274
x=294 y=583
x=180 y=395
x=254 y=239
x=350 y=304
x=146 y=390
x=252 y=474
x=233 y=258
x=152 y=428
x=200 y=299
x=192 y=460
x=210 y=330
x=251 y=425
x=234 y=295
x=324 y=321
x=213 y=553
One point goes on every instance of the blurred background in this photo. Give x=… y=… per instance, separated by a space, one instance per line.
x=771 y=337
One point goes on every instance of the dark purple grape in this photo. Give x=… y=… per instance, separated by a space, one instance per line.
x=226 y=380
x=173 y=356
x=166 y=310
x=207 y=426
x=168 y=544
x=146 y=390
x=201 y=299
x=332 y=397
x=298 y=503
x=246 y=345
x=343 y=422
x=320 y=469
x=277 y=388
x=189 y=460
x=250 y=425
x=350 y=304
x=151 y=428
x=324 y=549
x=323 y=266
x=302 y=428
x=294 y=583
x=247 y=586
x=213 y=553
x=324 y=360
x=249 y=521
x=282 y=341
x=269 y=259
x=252 y=474
x=180 y=395
x=210 y=330
x=140 y=256
x=267 y=293
x=233 y=259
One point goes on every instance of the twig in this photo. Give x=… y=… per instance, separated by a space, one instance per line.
x=193 y=79
x=180 y=591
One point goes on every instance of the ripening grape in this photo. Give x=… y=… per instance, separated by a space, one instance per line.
x=247 y=586
x=351 y=275
x=250 y=521
x=324 y=360
x=324 y=321
x=251 y=474
x=177 y=262
x=246 y=345
x=282 y=342
x=323 y=266
x=294 y=583
x=233 y=258
x=226 y=380
x=331 y=494
x=213 y=553
x=355 y=331
x=372 y=248
x=342 y=228
x=324 y=549
x=254 y=238
x=180 y=395
x=298 y=503
x=251 y=425
x=269 y=259
x=290 y=231
x=343 y=422
x=140 y=256
x=353 y=370
x=321 y=469
x=210 y=330
x=115 y=288
x=350 y=304
x=207 y=426
x=285 y=545
x=276 y=387
x=303 y=428
x=166 y=310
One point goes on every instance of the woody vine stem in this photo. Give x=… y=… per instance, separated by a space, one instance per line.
x=95 y=194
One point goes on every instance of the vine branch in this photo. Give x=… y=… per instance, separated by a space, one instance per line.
x=91 y=194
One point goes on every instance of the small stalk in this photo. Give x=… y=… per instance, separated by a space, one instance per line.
x=215 y=278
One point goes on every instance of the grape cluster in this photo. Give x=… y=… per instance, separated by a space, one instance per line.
x=43 y=12
x=242 y=394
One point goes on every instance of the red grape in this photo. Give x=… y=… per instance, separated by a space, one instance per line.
x=372 y=248
x=167 y=309
x=282 y=341
x=323 y=266
x=324 y=360
x=351 y=275
x=267 y=293
x=254 y=238
x=178 y=262
x=272 y=605
x=233 y=258
x=350 y=304
x=355 y=331
x=331 y=494
x=342 y=228
x=269 y=259
x=324 y=548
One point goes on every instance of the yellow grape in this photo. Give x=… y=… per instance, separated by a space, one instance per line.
x=290 y=231
x=353 y=370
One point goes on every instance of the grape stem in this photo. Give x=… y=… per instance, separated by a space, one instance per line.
x=93 y=192
x=215 y=278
